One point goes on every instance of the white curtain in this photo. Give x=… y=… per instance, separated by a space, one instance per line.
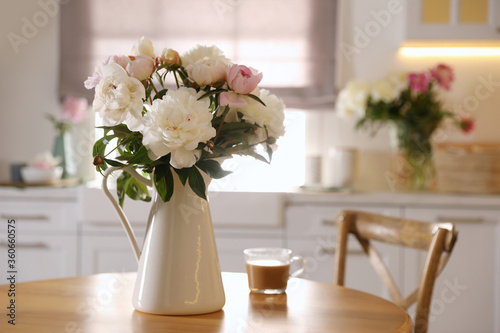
x=292 y=42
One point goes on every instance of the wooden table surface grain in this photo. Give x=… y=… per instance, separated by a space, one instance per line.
x=102 y=303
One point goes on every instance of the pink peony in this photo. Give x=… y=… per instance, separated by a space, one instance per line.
x=419 y=81
x=443 y=75
x=232 y=100
x=74 y=109
x=241 y=79
x=467 y=124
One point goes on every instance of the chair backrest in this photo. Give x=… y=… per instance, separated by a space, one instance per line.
x=437 y=239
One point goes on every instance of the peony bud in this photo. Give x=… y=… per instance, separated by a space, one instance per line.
x=170 y=58
x=98 y=160
x=143 y=47
x=140 y=67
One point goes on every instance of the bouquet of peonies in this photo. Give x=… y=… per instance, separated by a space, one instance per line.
x=400 y=97
x=408 y=102
x=211 y=109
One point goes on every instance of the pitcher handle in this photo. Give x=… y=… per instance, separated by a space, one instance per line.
x=123 y=218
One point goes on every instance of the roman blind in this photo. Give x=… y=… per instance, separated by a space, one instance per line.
x=292 y=42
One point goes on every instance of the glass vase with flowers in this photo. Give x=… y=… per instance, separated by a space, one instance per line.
x=409 y=103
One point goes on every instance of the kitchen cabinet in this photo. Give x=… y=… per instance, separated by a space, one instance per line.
x=466 y=294
x=453 y=20
x=45 y=229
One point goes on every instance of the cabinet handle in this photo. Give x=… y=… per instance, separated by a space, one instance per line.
x=27 y=246
x=455 y=219
x=25 y=217
x=331 y=250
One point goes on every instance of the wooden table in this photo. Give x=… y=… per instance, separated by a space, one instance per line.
x=102 y=303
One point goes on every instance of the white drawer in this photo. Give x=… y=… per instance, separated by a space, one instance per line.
x=454 y=215
x=36 y=217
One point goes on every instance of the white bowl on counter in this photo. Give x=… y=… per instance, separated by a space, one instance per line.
x=31 y=174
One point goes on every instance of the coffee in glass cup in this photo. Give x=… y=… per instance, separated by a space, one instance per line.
x=268 y=269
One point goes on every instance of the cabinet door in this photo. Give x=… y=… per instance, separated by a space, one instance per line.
x=107 y=254
x=41 y=257
x=453 y=20
x=312 y=234
x=466 y=294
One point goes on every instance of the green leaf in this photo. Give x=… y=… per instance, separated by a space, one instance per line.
x=183 y=174
x=140 y=157
x=255 y=155
x=121 y=131
x=164 y=181
x=256 y=98
x=211 y=93
x=134 y=189
x=160 y=94
x=113 y=162
x=100 y=145
x=197 y=183
x=212 y=168
x=236 y=127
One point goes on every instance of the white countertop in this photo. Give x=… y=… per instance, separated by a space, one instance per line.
x=396 y=198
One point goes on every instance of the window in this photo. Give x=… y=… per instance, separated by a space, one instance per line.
x=292 y=42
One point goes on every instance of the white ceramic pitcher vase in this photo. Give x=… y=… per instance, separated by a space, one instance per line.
x=179 y=271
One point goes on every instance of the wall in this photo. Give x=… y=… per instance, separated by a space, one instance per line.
x=28 y=78
x=29 y=73
x=379 y=56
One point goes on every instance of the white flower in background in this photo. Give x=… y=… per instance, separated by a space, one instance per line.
x=206 y=65
x=177 y=124
x=270 y=116
x=389 y=87
x=119 y=98
x=45 y=161
x=351 y=101
x=144 y=47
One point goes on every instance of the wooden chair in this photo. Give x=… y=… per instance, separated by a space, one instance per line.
x=437 y=239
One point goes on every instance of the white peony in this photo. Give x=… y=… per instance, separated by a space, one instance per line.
x=177 y=124
x=143 y=47
x=270 y=116
x=351 y=101
x=206 y=65
x=119 y=98
x=388 y=88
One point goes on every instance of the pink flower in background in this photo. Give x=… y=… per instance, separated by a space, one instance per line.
x=467 y=124
x=419 y=81
x=241 y=79
x=443 y=75
x=74 y=109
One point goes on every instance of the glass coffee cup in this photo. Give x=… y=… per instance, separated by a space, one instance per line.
x=268 y=269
